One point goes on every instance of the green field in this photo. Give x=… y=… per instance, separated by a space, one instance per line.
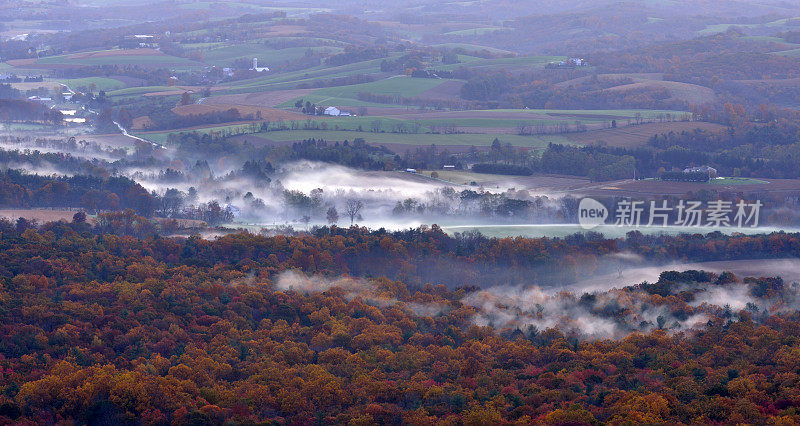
x=598 y=114
x=100 y=83
x=133 y=91
x=290 y=80
x=473 y=48
x=156 y=60
x=737 y=181
x=525 y=62
x=348 y=95
x=476 y=31
x=786 y=23
x=341 y=128
x=225 y=55
x=388 y=124
x=25 y=127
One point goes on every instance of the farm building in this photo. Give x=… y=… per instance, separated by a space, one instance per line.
x=712 y=172
x=40 y=99
x=139 y=40
x=333 y=111
x=257 y=68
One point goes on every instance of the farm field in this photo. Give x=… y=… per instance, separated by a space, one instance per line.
x=348 y=95
x=140 y=57
x=474 y=48
x=537 y=182
x=225 y=54
x=733 y=181
x=290 y=80
x=777 y=25
x=640 y=134
x=100 y=83
x=657 y=188
x=518 y=63
x=476 y=31
x=265 y=113
x=261 y=99
x=478 y=128
x=685 y=92
x=136 y=91
x=31 y=85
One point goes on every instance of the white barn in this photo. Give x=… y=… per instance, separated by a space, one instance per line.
x=333 y=111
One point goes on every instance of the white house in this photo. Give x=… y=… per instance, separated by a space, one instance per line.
x=332 y=111
x=712 y=172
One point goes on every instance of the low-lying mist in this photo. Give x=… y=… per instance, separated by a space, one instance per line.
x=674 y=302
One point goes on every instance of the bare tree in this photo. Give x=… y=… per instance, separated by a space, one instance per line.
x=353 y=208
x=332 y=215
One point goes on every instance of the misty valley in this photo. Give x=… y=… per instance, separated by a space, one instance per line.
x=427 y=213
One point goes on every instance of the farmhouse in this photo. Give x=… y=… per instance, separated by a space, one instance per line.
x=710 y=171
x=333 y=111
x=140 y=40
x=40 y=99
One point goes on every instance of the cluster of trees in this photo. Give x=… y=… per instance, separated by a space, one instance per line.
x=9 y=92
x=751 y=150
x=566 y=90
x=356 y=154
x=509 y=207
x=706 y=60
x=28 y=111
x=19 y=190
x=597 y=163
x=187 y=330
x=169 y=120
x=487 y=85
x=63 y=163
x=354 y=53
